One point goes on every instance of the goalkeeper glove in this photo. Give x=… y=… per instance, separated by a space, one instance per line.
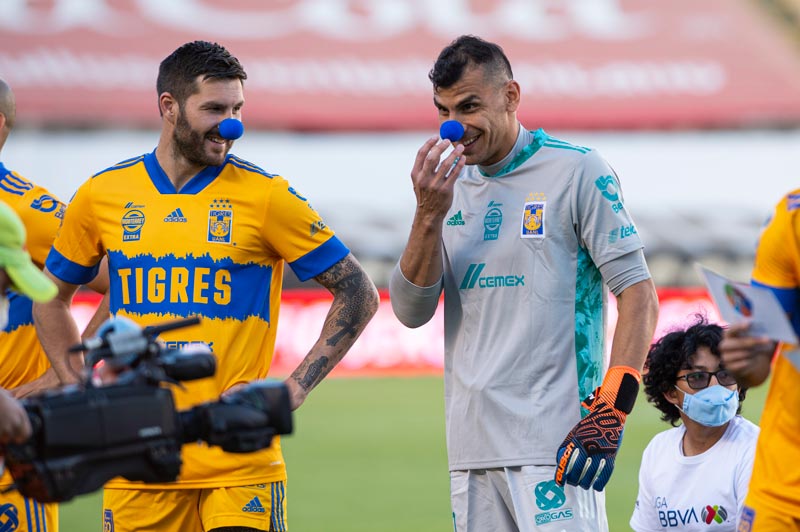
x=586 y=456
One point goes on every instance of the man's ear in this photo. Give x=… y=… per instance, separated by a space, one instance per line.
x=512 y=93
x=3 y=121
x=168 y=106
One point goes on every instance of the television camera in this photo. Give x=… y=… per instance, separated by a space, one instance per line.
x=84 y=435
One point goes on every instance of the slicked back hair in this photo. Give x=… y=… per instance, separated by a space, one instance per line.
x=672 y=353
x=178 y=73
x=465 y=52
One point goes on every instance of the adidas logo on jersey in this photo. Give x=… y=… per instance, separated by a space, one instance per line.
x=175 y=216
x=456 y=219
x=254 y=506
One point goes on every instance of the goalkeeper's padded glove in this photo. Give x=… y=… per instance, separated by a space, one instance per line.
x=586 y=456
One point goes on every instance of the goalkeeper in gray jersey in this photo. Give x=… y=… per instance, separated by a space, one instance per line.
x=523 y=233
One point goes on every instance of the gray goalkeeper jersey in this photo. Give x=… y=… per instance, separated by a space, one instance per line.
x=524 y=242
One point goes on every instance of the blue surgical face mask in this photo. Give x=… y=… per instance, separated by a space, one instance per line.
x=713 y=406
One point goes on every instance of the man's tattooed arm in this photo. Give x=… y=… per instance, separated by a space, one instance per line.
x=355 y=301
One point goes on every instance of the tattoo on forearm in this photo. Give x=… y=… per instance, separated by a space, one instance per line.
x=315 y=372
x=350 y=312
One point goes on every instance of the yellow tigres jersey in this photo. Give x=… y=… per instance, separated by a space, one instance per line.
x=22 y=358
x=776 y=473
x=215 y=249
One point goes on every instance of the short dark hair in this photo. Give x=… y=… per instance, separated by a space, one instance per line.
x=464 y=52
x=672 y=353
x=178 y=73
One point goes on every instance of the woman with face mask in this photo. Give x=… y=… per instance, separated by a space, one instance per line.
x=695 y=475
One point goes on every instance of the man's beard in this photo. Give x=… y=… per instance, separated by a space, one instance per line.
x=189 y=144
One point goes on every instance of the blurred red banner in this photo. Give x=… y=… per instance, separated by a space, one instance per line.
x=386 y=347
x=363 y=64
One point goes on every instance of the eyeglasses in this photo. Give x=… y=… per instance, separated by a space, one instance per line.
x=697 y=380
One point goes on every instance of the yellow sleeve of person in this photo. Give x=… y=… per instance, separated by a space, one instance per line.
x=25 y=277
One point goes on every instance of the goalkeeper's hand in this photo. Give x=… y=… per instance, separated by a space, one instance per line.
x=586 y=456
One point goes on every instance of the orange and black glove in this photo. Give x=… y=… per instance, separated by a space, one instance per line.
x=586 y=456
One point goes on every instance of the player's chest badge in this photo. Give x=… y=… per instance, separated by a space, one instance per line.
x=220 y=221
x=533 y=212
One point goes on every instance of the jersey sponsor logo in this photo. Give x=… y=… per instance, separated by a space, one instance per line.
x=317 y=226
x=608 y=186
x=254 y=506
x=473 y=277
x=189 y=285
x=47 y=203
x=108 y=520
x=9 y=517
x=623 y=231
x=456 y=219
x=133 y=205
x=492 y=221
x=550 y=498
x=738 y=301
x=677 y=518
x=175 y=216
x=183 y=344
x=220 y=221
x=132 y=223
x=533 y=216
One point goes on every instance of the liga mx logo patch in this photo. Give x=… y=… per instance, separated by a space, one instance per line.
x=533 y=217
x=220 y=221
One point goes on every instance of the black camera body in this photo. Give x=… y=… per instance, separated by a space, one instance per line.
x=84 y=436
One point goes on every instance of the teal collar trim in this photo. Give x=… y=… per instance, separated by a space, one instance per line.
x=539 y=138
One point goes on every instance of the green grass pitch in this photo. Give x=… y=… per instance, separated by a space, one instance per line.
x=368 y=454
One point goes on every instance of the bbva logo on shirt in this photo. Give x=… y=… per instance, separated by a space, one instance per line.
x=709 y=514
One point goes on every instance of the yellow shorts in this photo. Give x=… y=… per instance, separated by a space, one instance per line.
x=21 y=514
x=756 y=517
x=260 y=506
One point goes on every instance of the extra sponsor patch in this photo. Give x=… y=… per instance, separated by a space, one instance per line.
x=132 y=223
x=220 y=221
x=492 y=221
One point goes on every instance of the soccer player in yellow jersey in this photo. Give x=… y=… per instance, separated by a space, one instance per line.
x=191 y=229
x=773 y=498
x=25 y=367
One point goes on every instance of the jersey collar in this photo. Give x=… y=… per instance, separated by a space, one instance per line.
x=195 y=184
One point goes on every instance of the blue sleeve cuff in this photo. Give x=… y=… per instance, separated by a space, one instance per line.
x=68 y=271
x=320 y=259
x=789 y=298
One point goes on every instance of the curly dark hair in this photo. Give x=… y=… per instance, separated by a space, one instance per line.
x=464 y=52
x=178 y=73
x=672 y=353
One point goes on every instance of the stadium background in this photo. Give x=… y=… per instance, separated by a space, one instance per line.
x=694 y=104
